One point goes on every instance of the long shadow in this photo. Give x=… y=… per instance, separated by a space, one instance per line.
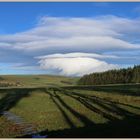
x=114 y=105
x=100 y=101
x=133 y=90
x=70 y=123
x=84 y=99
x=12 y=97
x=129 y=127
x=126 y=128
x=81 y=117
x=91 y=107
x=134 y=107
x=98 y=111
x=116 y=109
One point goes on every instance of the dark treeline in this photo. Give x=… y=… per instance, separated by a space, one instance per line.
x=129 y=75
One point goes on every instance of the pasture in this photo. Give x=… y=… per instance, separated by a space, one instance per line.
x=57 y=109
x=38 y=80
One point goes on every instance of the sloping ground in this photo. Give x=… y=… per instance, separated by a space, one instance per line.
x=37 y=80
x=60 y=112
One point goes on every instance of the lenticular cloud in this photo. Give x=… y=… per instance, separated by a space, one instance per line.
x=76 y=34
x=74 y=65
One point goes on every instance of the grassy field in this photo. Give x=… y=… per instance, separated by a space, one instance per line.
x=39 y=80
x=59 y=109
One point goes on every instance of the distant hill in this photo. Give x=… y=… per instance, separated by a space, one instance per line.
x=35 y=80
x=121 y=76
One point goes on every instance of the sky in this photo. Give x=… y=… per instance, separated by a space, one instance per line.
x=68 y=38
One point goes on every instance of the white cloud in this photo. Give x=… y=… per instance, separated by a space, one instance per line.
x=57 y=35
x=77 y=54
x=74 y=63
x=77 y=34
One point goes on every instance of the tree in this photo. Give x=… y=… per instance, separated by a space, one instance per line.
x=129 y=75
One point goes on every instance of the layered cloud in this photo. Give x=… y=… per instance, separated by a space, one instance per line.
x=76 y=34
x=77 y=54
x=57 y=39
x=76 y=64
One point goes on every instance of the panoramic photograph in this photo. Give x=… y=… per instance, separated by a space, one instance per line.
x=69 y=69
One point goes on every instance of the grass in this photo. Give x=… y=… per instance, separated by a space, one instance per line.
x=39 y=80
x=62 y=111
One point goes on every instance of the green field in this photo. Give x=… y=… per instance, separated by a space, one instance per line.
x=39 y=80
x=58 y=108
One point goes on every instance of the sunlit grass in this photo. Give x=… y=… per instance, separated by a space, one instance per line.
x=57 y=110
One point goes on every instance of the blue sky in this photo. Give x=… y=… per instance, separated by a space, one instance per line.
x=23 y=16
x=68 y=38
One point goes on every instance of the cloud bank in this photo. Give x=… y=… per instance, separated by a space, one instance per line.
x=76 y=46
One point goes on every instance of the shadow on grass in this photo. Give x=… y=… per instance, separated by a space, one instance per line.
x=70 y=123
x=133 y=90
x=127 y=127
x=11 y=98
